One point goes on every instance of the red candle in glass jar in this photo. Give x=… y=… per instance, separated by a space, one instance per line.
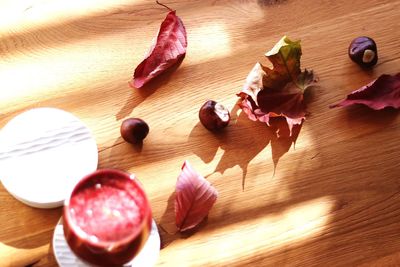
x=107 y=218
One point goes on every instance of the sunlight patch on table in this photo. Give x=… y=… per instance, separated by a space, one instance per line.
x=259 y=236
x=25 y=15
x=52 y=74
x=208 y=41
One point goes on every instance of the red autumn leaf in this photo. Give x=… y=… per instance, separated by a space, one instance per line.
x=195 y=196
x=277 y=92
x=378 y=94
x=169 y=47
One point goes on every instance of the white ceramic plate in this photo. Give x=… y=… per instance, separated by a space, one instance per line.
x=44 y=152
x=147 y=257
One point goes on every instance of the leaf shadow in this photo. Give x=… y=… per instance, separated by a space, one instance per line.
x=167 y=223
x=364 y=114
x=241 y=151
x=138 y=95
x=281 y=145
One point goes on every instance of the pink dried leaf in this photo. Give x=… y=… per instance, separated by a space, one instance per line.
x=194 y=198
x=254 y=82
x=169 y=47
x=378 y=94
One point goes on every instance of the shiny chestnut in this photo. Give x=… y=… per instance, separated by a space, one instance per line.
x=214 y=116
x=363 y=51
x=134 y=130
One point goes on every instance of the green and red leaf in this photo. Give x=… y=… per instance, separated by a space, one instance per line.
x=277 y=91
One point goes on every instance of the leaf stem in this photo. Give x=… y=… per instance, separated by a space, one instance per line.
x=163 y=5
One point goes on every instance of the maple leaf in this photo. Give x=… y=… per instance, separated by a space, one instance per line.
x=194 y=198
x=278 y=91
x=169 y=47
x=378 y=94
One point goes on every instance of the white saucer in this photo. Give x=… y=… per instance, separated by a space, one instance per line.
x=44 y=152
x=147 y=257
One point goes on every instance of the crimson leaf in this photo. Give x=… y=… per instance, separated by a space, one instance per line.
x=378 y=94
x=194 y=198
x=169 y=47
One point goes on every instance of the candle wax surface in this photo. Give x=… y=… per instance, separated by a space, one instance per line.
x=106 y=209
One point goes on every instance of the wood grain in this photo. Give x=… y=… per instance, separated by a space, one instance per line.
x=331 y=201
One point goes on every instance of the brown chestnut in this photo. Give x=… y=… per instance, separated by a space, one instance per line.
x=363 y=51
x=214 y=116
x=134 y=130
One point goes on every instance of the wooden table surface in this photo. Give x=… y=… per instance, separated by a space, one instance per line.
x=334 y=199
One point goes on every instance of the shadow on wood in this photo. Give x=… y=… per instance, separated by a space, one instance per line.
x=238 y=148
x=138 y=95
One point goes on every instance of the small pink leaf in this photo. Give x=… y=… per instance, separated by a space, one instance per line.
x=381 y=93
x=194 y=198
x=169 y=47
